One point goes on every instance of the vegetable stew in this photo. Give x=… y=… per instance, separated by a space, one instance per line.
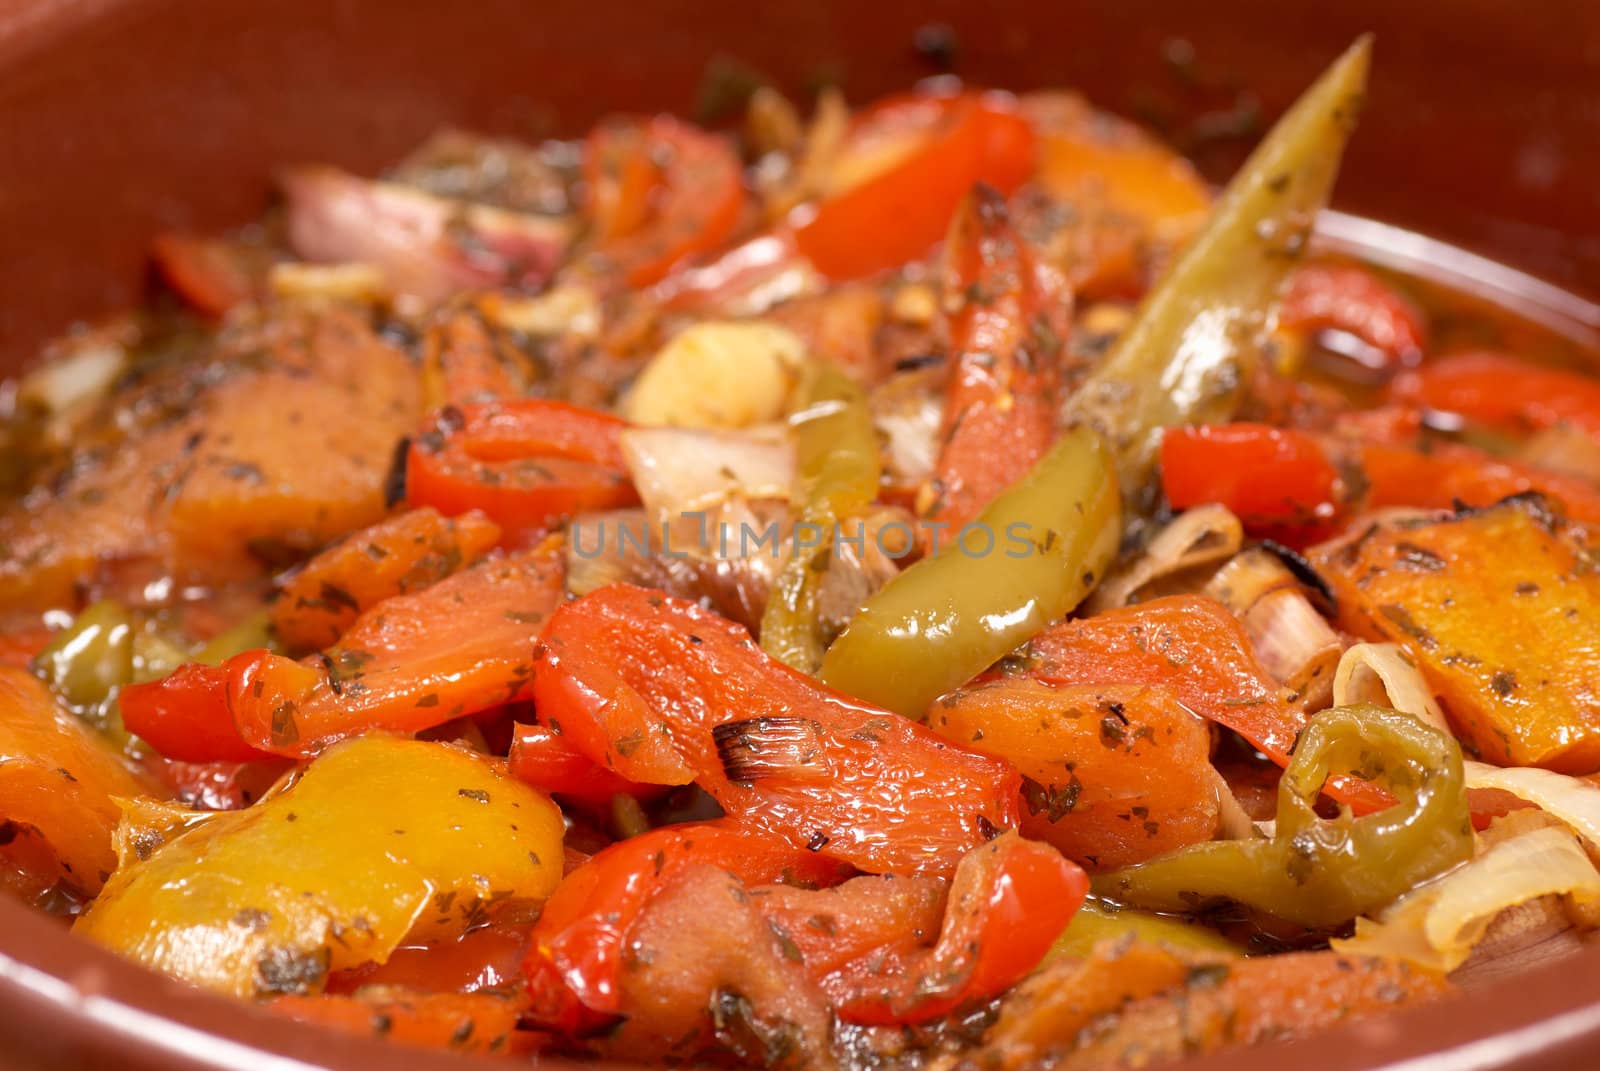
x=930 y=584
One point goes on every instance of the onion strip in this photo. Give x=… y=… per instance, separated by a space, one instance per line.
x=1569 y=799
x=1197 y=538
x=1437 y=925
x=1382 y=674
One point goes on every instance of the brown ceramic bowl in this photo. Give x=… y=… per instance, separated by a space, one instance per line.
x=122 y=117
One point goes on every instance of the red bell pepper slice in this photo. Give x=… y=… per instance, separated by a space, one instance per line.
x=526 y=464
x=1451 y=473
x=1286 y=484
x=544 y=759
x=408 y=664
x=696 y=203
x=211 y=274
x=897 y=215
x=1279 y=482
x=1000 y=404
x=400 y=554
x=1193 y=646
x=1353 y=300
x=184 y=715
x=619 y=176
x=662 y=691
x=1503 y=392
x=577 y=949
x=1009 y=901
x=221 y=785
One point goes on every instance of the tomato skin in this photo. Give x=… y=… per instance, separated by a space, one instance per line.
x=1450 y=473
x=185 y=716
x=1193 y=646
x=410 y=663
x=1008 y=902
x=1503 y=392
x=1085 y=775
x=400 y=554
x=1353 y=300
x=1284 y=484
x=1278 y=481
x=208 y=273
x=661 y=691
x=577 y=945
x=543 y=758
x=1000 y=403
x=652 y=217
x=619 y=177
x=220 y=785
x=525 y=464
x=896 y=216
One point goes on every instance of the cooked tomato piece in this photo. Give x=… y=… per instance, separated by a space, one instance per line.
x=525 y=464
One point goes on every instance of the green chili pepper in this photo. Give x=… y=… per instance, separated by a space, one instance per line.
x=92 y=658
x=1188 y=355
x=839 y=468
x=1095 y=922
x=1030 y=557
x=157 y=651
x=1316 y=871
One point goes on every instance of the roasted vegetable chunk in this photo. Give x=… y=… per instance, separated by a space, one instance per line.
x=59 y=781
x=1111 y=775
x=399 y=555
x=1500 y=607
x=379 y=840
x=262 y=450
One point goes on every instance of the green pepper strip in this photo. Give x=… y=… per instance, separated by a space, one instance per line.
x=250 y=634
x=1031 y=557
x=1321 y=872
x=839 y=468
x=1097 y=921
x=1190 y=351
x=92 y=657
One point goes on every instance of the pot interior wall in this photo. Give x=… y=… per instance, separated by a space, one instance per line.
x=123 y=117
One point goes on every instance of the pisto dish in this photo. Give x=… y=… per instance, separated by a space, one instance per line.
x=927 y=586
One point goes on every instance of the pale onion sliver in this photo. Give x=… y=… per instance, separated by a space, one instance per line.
x=1568 y=799
x=1382 y=674
x=1437 y=926
x=1205 y=535
x=682 y=471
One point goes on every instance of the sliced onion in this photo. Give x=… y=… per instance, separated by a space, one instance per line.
x=682 y=471
x=81 y=375
x=860 y=564
x=359 y=283
x=1199 y=538
x=825 y=142
x=624 y=546
x=1293 y=641
x=907 y=409
x=426 y=246
x=571 y=309
x=1233 y=823
x=1569 y=799
x=1520 y=937
x=1382 y=673
x=1438 y=925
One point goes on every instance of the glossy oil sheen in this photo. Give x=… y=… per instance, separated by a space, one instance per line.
x=119 y=118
